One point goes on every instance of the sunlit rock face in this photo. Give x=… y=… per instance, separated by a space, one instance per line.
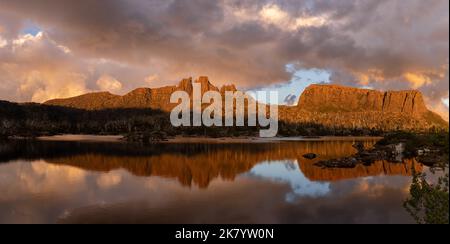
x=345 y=107
x=333 y=98
x=156 y=98
x=328 y=105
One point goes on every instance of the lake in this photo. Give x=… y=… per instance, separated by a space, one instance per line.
x=269 y=182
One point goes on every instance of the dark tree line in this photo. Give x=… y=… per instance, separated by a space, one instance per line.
x=31 y=120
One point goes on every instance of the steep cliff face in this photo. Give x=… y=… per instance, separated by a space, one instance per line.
x=345 y=107
x=206 y=85
x=332 y=98
x=228 y=88
x=328 y=105
x=157 y=98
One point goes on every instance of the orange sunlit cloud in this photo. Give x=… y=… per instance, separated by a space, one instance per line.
x=119 y=45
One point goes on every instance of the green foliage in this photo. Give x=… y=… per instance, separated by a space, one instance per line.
x=414 y=141
x=428 y=203
x=30 y=120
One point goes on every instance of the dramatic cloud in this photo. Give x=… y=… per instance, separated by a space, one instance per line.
x=387 y=44
x=3 y=42
x=35 y=68
x=109 y=83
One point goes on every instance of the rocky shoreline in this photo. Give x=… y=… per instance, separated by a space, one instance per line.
x=429 y=155
x=365 y=157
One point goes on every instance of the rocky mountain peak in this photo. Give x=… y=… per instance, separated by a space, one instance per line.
x=327 y=105
x=335 y=98
x=206 y=84
x=226 y=88
x=185 y=85
x=139 y=92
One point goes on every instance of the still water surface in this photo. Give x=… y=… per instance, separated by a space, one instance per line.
x=101 y=182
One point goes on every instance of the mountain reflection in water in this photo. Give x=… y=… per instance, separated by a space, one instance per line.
x=80 y=178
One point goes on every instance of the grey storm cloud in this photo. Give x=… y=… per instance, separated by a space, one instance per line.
x=385 y=44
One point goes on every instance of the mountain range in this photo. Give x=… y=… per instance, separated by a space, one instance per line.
x=327 y=105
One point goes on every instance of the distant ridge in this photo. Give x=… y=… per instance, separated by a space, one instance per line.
x=327 y=105
x=335 y=98
x=348 y=107
x=158 y=98
x=155 y=98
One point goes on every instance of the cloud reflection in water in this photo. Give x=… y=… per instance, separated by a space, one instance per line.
x=289 y=172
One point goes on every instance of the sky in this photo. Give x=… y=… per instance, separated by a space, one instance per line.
x=63 y=48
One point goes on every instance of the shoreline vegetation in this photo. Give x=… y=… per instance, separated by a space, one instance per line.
x=428 y=201
x=430 y=149
x=147 y=125
x=199 y=139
